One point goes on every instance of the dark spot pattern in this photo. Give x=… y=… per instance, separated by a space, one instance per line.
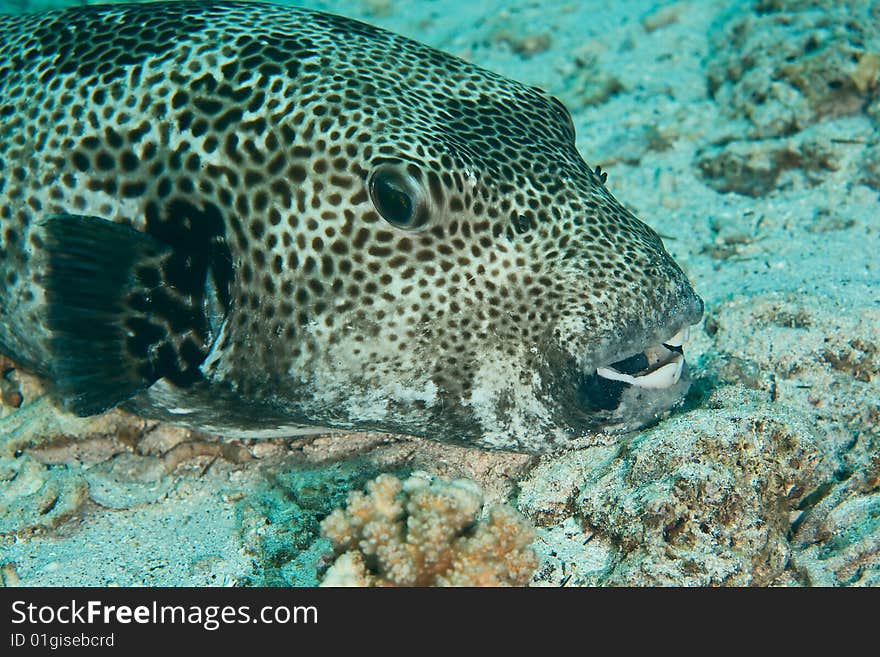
x=244 y=136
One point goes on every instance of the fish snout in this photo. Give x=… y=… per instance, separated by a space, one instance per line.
x=644 y=373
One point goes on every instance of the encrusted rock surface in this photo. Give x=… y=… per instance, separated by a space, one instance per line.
x=785 y=65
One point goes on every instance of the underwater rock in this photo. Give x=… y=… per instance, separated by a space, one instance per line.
x=705 y=500
x=36 y=496
x=526 y=45
x=585 y=82
x=547 y=494
x=787 y=65
x=819 y=359
x=54 y=436
x=659 y=17
x=496 y=472
x=425 y=531
x=819 y=355
x=837 y=541
x=756 y=168
x=572 y=555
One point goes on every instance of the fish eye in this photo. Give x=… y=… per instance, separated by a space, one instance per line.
x=398 y=197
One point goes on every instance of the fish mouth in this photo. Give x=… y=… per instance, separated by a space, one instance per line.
x=632 y=391
x=655 y=368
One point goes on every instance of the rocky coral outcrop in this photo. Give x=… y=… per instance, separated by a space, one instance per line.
x=707 y=506
x=837 y=540
x=707 y=498
x=786 y=65
x=775 y=72
x=755 y=168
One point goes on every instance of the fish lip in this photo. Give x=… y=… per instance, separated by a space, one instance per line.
x=657 y=350
x=613 y=398
x=628 y=345
x=681 y=315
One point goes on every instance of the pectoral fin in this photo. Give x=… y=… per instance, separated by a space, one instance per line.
x=116 y=322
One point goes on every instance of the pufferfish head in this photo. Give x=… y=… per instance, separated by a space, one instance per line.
x=452 y=265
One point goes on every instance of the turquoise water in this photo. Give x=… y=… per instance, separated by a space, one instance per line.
x=745 y=134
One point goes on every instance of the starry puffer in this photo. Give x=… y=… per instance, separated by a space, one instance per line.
x=258 y=220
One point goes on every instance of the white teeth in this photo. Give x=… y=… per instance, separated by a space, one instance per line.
x=661 y=378
x=679 y=338
x=614 y=375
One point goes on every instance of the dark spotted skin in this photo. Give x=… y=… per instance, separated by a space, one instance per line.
x=243 y=137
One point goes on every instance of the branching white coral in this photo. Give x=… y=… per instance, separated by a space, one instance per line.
x=427 y=532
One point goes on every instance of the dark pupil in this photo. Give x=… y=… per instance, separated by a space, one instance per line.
x=392 y=201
